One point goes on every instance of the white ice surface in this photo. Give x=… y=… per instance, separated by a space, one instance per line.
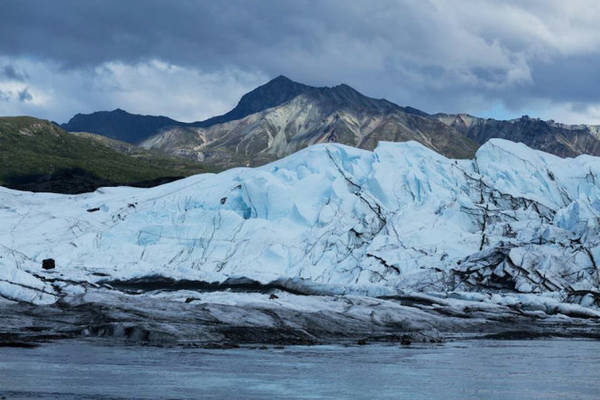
x=399 y=218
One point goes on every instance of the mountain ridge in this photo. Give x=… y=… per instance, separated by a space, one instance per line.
x=282 y=116
x=316 y=115
x=119 y=124
x=273 y=93
x=116 y=123
x=557 y=138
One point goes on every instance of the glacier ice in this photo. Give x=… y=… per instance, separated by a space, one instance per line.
x=513 y=221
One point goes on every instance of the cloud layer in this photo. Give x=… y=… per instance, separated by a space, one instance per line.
x=190 y=60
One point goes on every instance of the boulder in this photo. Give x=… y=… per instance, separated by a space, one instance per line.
x=48 y=263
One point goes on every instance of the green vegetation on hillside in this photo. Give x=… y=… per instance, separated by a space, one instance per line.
x=36 y=153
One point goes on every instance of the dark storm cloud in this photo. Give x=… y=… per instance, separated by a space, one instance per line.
x=573 y=77
x=9 y=72
x=438 y=55
x=24 y=95
x=87 y=33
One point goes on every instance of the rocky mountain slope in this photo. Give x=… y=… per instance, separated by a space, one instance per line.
x=276 y=92
x=283 y=116
x=316 y=115
x=560 y=139
x=37 y=155
x=415 y=243
x=134 y=128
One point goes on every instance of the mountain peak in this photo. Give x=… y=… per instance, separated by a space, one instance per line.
x=280 y=78
x=344 y=86
x=346 y=97
x=282 y=89
x=122 y=125
x=273 y=93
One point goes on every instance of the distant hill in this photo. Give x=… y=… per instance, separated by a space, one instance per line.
x=559 y=139
x=37 y=155
x=119 y=124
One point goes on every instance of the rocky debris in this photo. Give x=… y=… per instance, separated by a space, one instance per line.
x=220 y=346
x=160 y=319
x=240 y=284
x=48 y=263
x=21 y=345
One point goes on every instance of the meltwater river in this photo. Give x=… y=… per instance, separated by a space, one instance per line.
x=536 y=369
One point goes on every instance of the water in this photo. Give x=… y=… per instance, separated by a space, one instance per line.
x=541 y=369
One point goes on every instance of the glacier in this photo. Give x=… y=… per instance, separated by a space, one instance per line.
x=514 y=229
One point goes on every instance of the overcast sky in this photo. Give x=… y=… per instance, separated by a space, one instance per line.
x=193 y=59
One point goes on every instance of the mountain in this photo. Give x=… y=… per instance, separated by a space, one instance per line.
x=399 y=240
x=272 y=94
x=37 y=155
x=134 y=128
x=283 y=116
x=119 y=124
x=294 y=116
x=560 y=139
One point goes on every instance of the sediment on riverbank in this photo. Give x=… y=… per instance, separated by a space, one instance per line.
x=225 y=319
